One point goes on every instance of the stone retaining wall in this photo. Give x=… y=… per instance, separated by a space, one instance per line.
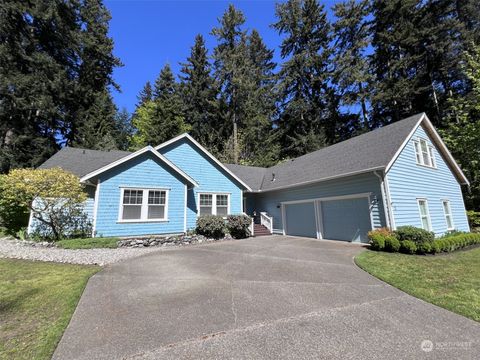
x=174 y=240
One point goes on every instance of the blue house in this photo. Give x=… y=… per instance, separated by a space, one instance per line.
x=401 y=174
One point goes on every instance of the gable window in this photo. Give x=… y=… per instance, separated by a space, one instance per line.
x=424 y=214
x=424 y=153
x=214 y=204
x=448 y=214
x=143 y=205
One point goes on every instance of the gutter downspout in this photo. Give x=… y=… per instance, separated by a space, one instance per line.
x=386 y=207
x=389 y=200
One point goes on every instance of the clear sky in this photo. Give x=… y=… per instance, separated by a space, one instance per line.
x=148 y=34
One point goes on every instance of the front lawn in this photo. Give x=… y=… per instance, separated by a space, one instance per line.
x=37 y=300
x=451 y=281
x=89 y=243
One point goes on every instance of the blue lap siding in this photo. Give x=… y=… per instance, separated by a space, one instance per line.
x=363 y=183
x=209 y=176
x=409 y=182
x=144 y=171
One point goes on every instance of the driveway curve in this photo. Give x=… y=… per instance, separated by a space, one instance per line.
x=262 y=298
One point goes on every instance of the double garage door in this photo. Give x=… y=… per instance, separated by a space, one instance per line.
x=336 y=219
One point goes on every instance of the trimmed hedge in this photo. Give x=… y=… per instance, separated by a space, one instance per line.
x=414 y=234
x=237 y=226
x=385 y=240
x=211 y=226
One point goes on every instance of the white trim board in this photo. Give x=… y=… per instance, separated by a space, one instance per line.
x=430 y=129
x=134 y=155
x=330 y=198
x=206 y=152
x=95 y=208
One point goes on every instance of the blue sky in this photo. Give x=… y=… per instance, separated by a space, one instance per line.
x=149 y=34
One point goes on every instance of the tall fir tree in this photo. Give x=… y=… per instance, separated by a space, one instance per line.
x=146 y=94
x=259 y=141
x=199 y=96
x=93 y=119
x=230 y=67
x=351 y=74
x=160 y=119
x=308 y=103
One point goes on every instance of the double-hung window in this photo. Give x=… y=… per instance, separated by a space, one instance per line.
x=447 y=210
x=424 y=214
x=214 y=204
x=424 y=153
x=143 y=205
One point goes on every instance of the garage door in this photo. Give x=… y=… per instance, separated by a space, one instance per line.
x=300 y=219
x=347 y=219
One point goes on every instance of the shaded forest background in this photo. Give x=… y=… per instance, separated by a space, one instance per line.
x=377 y=62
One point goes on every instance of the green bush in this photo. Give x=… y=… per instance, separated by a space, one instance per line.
x=408 y=247
x=211 y=226
x=456 y=242
x=13 y=216
x=237 y=226
x=451 y=233
x=414 y=234
x=392 y=244
x=473 y=219
x=424 y=248
x=377 y=238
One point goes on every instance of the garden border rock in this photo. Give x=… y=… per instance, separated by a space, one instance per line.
x=164 y=241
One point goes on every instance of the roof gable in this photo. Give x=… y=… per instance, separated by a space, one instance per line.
x=206 y=153
x=375 y=150
x=134 y=155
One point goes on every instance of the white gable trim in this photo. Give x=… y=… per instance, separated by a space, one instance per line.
x=438 y=141
x=206 y=152
x=134 y=155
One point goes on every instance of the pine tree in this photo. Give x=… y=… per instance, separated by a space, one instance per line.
x=308 y=104
x=160 y=119
x=94 y=117
x=230 y=67
x=352 y=35
x=259 y=145
x=146 y=94
x=123 y=129
x=199 y=96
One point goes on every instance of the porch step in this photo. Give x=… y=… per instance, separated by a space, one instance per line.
x=260 y=230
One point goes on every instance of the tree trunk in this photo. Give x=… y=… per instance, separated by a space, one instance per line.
x=235 y=140
x=363 y=104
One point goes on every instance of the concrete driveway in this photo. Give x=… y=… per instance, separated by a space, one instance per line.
x=262 y=298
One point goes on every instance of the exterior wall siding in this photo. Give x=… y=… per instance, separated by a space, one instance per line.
x=409 y=181
x=363 y=183
x=209 y=176
x=144 y=171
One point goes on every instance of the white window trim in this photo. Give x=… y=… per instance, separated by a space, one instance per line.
x=214 y=201
x=144 y=206
x=430 y=153
x=429 y=221
x=449 y=214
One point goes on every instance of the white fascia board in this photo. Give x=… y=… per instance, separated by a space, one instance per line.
x=134 y=155
x=438 y=140
x=206 y=152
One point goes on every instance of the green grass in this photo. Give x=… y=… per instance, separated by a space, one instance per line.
x=451 y=281
x=37 y=300
x=89 y=243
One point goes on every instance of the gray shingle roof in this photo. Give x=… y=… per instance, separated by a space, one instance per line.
x=372 y=150
x=82 y=161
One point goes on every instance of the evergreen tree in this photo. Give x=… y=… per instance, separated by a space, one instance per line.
x=308 y=104
x=146 y=94
x=352 y=35
x=199 y=95
x=123 y=129
x=259 y=145
x=231 y=66
x=462 y=135
x=93 y=117
x=162 y=118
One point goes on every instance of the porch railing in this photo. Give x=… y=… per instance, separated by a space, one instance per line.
x=266 y=221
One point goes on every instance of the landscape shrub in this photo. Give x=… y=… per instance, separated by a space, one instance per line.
x=392 y=244
x=412 y=233
x=13 y=215
x=408 y=247
x=238 y=225
x=211 y=226
x=424 y=248
x=474 y=219
x=377 y=238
